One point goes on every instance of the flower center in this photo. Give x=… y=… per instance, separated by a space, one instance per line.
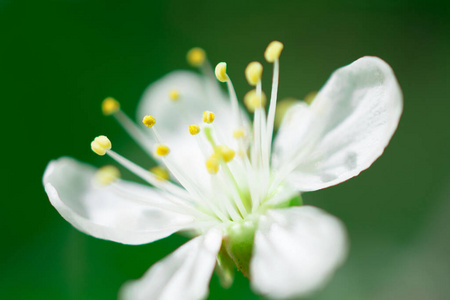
x=240 y=178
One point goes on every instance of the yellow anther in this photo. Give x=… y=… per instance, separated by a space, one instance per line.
x=160 y=173
x=103 y=141
x=174 y=95
x=212 y=164
x=162 y=150
x=310 y=97
x=100 y=145
x=225 y=153
x=196 y=56
x=110 y=106
x=253 y=73
x=194 y=129
x=221 y=72
x=107 y=174
x=149 y=121
x=273 y=51
x=208 y=116
x=238 y=133
x=252 y=101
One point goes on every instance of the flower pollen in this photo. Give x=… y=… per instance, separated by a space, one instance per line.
x=149 y=121
x=208 y=117
x=253 y=73
x=174 y=94
x=196 y=56
x=273 y=51
x=194 y=129
x=162 y=150
x=110 y=106
x=100 y=145
x=212 y=164
x=107 y=174
x=221 y=72
x=161 y=173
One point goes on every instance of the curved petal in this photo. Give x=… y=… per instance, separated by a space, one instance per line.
x=295 y=251
x=344 y=130
x=185 y=274
x=196 y=94
x=123 y=212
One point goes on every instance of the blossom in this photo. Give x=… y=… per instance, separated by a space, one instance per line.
x=225 y=182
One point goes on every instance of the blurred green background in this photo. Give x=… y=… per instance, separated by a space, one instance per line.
x=59 y=59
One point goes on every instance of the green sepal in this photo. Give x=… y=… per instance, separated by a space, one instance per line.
x=295 y=201
x=225 y=268
x=239 y=245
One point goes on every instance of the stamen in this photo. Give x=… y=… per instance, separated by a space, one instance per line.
x=174 y=95
x=253 y=101
x=208 y=117
x=225 y=153
x=258 y=153
x=272 y=54
x=199 y=195
x=221 y=72
x=107 y=175
x=273 y=51
x=222 y=76
x=238 y=133
x=100 y=145
x=149 y=121
x=222 y=155
x=162 y=150
x=208 y=135
x=212 y=164
x=196 y=56
x=223 y=200
x=253 y=73
x=193 y=189
x=263 y=150
x=110 y=106
x=179 y=207
x=150 y=177
x=160 y=173
x=221 y=152
x=194 y=129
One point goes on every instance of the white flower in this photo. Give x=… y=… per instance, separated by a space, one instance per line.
x=231 y=189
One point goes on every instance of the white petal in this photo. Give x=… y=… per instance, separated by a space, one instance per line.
x=295 y=251
x=123 y=212
x=344 y=130
x=185 y=274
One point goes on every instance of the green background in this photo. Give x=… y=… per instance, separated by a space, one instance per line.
x=59 y=59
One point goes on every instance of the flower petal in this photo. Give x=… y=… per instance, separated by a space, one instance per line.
x=123 y=212
x=344 y=130
x=295 y=251
x=185 y=274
